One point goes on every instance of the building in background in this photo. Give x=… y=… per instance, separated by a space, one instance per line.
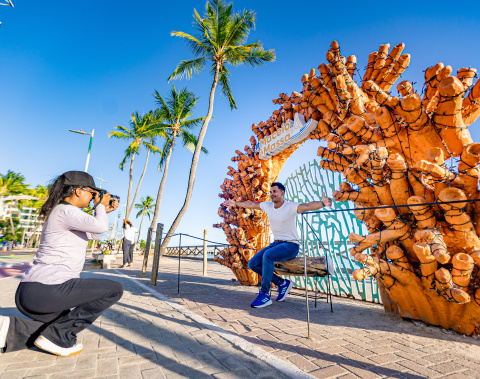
x=27 y=217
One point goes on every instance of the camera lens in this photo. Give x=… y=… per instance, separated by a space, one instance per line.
x=113 y=198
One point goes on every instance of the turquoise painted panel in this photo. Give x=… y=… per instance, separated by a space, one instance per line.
x=327 y=233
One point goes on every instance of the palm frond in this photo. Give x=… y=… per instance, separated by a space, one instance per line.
x=164 y=111
x=198 y=48
x=152 y=148
x=240 y=28
x=190 y=141
x=253 y=57
x=121 y=133
x=226 y=90
x=191 y=124
x=187 y=67
x=164 y=153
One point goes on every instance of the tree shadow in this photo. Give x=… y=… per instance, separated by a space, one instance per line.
x=223 y=293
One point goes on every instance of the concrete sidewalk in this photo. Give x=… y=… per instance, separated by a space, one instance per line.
x=357 y=340
x=141 y=336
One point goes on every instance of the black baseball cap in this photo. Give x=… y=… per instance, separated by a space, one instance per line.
x=81 y=179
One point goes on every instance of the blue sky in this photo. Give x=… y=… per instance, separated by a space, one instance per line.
x=90 y=64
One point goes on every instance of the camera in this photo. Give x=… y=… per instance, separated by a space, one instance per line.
x=112 y=197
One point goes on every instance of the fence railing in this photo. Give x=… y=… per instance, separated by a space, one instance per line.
x=194 y=251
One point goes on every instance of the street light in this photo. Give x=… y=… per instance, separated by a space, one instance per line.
x=101 y=180
x=89 y=146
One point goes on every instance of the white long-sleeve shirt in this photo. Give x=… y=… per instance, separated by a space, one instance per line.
x=63 y=243
x=129 y=233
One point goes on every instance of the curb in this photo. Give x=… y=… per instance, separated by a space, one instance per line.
x=243 y=345
x=9 y=265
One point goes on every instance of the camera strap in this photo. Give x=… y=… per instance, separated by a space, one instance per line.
x=99 y=201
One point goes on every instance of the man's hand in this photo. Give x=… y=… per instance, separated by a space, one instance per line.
x=230 y=203
x=326 y=200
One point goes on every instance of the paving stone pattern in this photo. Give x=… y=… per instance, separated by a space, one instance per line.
x=139 y=337
x=357 y=340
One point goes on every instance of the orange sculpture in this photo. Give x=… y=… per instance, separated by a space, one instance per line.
x=409 y=150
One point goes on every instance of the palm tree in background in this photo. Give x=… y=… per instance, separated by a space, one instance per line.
x=175 y=111
x=41 y=193
x=139 y=134
x=145 y=208
x=221 y=39
x=12 y=184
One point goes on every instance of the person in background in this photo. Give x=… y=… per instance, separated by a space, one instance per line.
x=59 y=303
x=282 y=216
x=128 y=238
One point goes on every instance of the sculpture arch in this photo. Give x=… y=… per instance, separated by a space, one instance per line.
x=391 y=151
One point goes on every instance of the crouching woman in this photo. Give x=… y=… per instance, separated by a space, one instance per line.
x=51 y=293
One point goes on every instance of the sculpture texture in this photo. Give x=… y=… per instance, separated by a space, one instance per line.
x=409 y=150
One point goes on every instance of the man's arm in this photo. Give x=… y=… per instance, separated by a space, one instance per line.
x=315 y=205
x=243 y=204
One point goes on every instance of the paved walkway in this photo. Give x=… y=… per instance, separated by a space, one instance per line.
x=139 y=337
x=148 y=336
x=357 y=340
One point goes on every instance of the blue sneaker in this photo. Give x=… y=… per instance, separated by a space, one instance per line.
x=262 y=300
x=284 y=289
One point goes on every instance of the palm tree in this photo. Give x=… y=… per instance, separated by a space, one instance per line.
x=41 y=193
x=12 y=184
x=175 y=111
x=221 y=40
x=145 y=208
x=140 y=134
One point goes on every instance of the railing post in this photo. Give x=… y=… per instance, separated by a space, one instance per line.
x=179 y=259
x=156 y=254
x=146 y=252
x=205 y=252
x=304 y=248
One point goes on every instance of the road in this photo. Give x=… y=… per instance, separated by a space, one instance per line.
x=16 y=262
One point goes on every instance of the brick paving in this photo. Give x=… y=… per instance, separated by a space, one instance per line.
x=146 y=337
x=357 y=340
x=139 y=337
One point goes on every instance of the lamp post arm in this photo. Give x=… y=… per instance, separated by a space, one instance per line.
x=89 y=149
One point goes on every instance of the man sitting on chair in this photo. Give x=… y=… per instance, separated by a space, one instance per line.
x=282 y=216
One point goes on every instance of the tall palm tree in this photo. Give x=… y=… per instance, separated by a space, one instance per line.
x=145 y=208
x=139 y=134
x=221 y=39
x=12 y=184
x=175 y=111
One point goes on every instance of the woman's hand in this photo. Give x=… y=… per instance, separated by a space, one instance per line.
x=111 y=208
x=106 y=202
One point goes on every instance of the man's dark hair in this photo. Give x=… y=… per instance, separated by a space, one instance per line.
x=279 y=185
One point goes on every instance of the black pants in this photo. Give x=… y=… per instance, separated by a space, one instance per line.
x=59 y=311
x=127 y=258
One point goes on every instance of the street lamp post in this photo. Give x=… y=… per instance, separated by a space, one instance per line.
x=89 y=146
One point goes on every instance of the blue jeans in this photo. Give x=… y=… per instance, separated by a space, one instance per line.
x=263 y=263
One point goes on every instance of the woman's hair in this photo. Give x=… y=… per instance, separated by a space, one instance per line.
x=125 y=222
x=57 y=191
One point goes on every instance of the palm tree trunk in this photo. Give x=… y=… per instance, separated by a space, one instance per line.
x=140 y=228
x=11 y=221
x=32 y=237
x=162 y=183
x=129 y=185
x=193 y=167
x=138 y=186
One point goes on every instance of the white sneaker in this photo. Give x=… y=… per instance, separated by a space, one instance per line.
x=49 y=346
x=4 y=324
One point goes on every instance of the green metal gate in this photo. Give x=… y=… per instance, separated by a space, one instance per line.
x=307 y=184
